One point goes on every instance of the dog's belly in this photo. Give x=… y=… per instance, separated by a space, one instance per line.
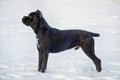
x=65 y=40
x=59 y=48
x=62 y=45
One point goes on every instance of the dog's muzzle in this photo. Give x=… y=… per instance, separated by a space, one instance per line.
x=26 y=20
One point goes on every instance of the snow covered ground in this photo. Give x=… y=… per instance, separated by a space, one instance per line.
x=18 y=54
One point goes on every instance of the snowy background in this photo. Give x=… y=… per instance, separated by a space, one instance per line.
x=18 y=53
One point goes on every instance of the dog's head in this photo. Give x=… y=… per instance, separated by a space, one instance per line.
x=33 y=19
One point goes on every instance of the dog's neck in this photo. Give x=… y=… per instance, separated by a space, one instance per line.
x=41 y=27
x=41 y=23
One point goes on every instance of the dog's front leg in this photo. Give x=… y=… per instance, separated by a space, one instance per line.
x=40 y=58
x=45 y=60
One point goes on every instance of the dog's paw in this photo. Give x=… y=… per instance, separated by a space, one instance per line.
x=43 y=71
x=77 y=47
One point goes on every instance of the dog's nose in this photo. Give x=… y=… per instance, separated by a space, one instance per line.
x=24 y=17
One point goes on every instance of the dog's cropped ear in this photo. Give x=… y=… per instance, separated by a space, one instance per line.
x=39 y=12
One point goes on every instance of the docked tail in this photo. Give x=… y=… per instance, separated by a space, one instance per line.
x=94 y=34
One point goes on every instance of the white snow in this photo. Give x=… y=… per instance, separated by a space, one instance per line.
x=18 y=53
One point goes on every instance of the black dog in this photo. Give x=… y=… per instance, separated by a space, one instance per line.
x=54 y=40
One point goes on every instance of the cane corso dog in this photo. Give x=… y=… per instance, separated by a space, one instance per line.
x=52 y=40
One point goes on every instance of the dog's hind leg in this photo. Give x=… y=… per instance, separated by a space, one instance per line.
x=88 y=48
